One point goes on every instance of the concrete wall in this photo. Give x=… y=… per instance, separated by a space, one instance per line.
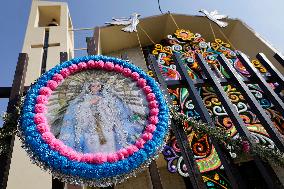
x=251 y=43
x=23 y=174
x=57 y=35
x=135 y=56
x=141 y=181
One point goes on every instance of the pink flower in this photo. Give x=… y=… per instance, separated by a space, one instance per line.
x=42 y=128
x=120 y=155
x=47 y=137
x=72 y=155
x=153 y=120
x=127 y=72
x=118 y=68
x=245 y=146
x=96 y=64
x=58 y=78
x=151 y=97
x=73 y=68
x=78 y=156
x=64 y=150
x=150 y=128
x=41 y=99
x=55 y=144
x=147 y=89
x=91 y=64
x=135 y=76
x=52 y=84
x=140 y=143
x=40 y=108
x=112 y=157
x=65 y=72
x=141 y=82
x=45 y=91
x=39 y=118
x=147 y=136
x=124 y=152
x=109 y=66
x=100 y=64
x=82 y=66
x=154 y=111
x=153 y=104
x=88 y=158
x=135 y=149
x=58 y=145
x=100 y=158
x=131 y=149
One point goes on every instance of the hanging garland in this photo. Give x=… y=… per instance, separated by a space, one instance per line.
x=60 y=154
x=10 y=126
x=239 y=146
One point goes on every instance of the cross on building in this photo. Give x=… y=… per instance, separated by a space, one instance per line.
x=45 y=47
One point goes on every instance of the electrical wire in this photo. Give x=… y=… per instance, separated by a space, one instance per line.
x=173 y=19
x=212 y=30
x=140 y=27
x=224 y=35
x=160 y=7
x=141 y=48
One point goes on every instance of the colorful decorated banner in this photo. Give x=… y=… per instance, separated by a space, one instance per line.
x=188 y=45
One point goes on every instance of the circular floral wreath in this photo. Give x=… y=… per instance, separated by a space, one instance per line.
x=92 y=169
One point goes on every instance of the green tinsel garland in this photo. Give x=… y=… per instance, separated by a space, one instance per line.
x=221 y=136
x=10 y=126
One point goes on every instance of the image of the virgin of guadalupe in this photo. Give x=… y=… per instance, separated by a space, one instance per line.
x=104 y=117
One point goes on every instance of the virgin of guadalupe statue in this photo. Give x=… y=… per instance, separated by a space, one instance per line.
x=100 y=119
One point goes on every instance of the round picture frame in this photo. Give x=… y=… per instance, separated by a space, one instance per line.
x=97 y=169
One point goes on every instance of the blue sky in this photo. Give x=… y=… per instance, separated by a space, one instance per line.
x=265 y=17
